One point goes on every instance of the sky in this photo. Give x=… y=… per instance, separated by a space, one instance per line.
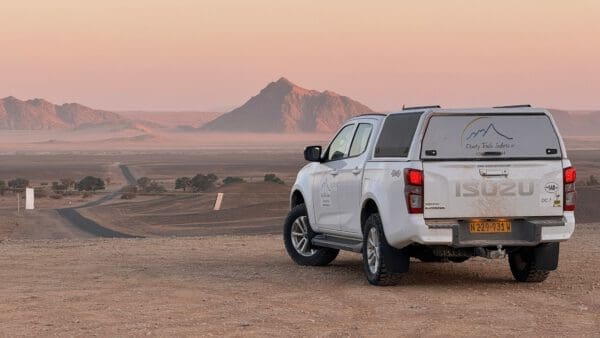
x=215 y=55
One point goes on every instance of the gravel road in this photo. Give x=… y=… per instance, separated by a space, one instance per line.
x=83 y=224
x=246 y=285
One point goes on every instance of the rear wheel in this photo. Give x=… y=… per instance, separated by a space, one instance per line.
x=297 y=236
x=377 y=254
x=523 y=267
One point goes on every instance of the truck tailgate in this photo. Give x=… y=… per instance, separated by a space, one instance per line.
x=484 y=189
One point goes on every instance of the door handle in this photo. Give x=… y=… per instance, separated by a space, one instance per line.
x=356 y=171
x=493 y=172
x=334 y=172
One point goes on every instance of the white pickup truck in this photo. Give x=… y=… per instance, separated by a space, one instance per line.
x=438 y=185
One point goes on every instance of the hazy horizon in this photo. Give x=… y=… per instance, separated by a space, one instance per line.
x=214 y=55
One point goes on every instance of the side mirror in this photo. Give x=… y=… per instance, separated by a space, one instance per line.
x=312 y=153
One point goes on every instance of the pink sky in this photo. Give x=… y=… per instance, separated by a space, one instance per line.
x=213 y=55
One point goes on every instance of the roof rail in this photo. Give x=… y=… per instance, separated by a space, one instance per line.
x=370 y=114
x=419 y=107
x=516 y=106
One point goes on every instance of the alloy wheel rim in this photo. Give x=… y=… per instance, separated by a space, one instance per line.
x=300 y=237
x=373 y=253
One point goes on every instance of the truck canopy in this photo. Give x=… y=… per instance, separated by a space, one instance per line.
x=490 y=136
x=492 y=165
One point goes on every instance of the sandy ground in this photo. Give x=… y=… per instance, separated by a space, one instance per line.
x=246 y=285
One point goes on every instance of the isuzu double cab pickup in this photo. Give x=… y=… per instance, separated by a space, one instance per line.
x=438 y=185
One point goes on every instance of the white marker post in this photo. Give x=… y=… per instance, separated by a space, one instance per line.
x=29 y=198
x=218 y=201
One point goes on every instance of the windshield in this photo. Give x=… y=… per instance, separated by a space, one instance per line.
x=490 y=136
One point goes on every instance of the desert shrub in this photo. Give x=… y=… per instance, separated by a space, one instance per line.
x=155 y=188
x=58 y=187
x=2 y=187
x=592 y=180
x=230 y=180
x=87 y=194
x=40 y=193
x=56 y=196
x=183 y=183
x=203 y=182
x=18 y=183
x=43 y=184
x=143 y=183
x=147 y=185
x=90 y=183
x=67 y=183
x=273 y=178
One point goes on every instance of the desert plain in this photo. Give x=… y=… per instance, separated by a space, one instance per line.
x=168 y=264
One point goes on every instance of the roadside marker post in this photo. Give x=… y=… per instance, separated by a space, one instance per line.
x=29 y=199
x=218 y=201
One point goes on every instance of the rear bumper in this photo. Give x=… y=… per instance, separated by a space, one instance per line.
x=455 y=233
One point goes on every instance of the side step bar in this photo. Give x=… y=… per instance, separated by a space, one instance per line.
x=333 y=242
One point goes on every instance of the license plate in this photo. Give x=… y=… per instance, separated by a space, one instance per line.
x=490 y=227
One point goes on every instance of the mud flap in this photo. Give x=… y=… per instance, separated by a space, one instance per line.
x=396 y=260
x=546 y=256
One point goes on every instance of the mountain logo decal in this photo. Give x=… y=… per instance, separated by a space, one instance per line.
x=484 y=131
x=483 y=134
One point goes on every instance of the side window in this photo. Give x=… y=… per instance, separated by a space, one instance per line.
x=338 y=148
x=361 y=139
x=397 y=134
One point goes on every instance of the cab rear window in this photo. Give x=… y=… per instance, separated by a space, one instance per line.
x=396 y=135
x=490 y=136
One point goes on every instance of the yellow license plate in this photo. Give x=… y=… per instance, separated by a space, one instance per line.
x=490 y=227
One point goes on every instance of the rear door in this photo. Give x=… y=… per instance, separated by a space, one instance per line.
x=491 y=165
x=350 y=178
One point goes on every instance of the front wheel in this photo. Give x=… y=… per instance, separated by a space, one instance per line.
x=297 y=236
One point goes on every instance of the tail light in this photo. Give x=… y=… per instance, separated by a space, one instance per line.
x=569 y=177
x=413 y=188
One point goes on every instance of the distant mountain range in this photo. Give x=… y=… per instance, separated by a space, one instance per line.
x=39 y=114
x=283 y=107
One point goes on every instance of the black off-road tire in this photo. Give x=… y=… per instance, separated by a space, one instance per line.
x=382 y=276
x=522 y=266
x=321 y=256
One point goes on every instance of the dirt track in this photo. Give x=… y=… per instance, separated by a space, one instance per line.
x=246 y=285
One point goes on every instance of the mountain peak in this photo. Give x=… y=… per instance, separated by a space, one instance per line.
x=283 y=106
x=281 y=84
x=283 y=80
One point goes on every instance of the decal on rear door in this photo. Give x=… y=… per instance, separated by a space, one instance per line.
x=550 y=195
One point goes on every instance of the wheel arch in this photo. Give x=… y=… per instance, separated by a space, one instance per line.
x=369 y=207
x=296 y=198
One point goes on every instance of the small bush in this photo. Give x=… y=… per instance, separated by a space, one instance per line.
x=18 y=183
x=87 y=194
x=183 y=183
x=230 y=180
x=273 y=178
x=592 y=180
x=203 y=182
x=90 y=183
x=147 y=185
x=56 y=196
x=40 y=193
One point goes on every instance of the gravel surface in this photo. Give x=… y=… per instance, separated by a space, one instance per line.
x=246 y=285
